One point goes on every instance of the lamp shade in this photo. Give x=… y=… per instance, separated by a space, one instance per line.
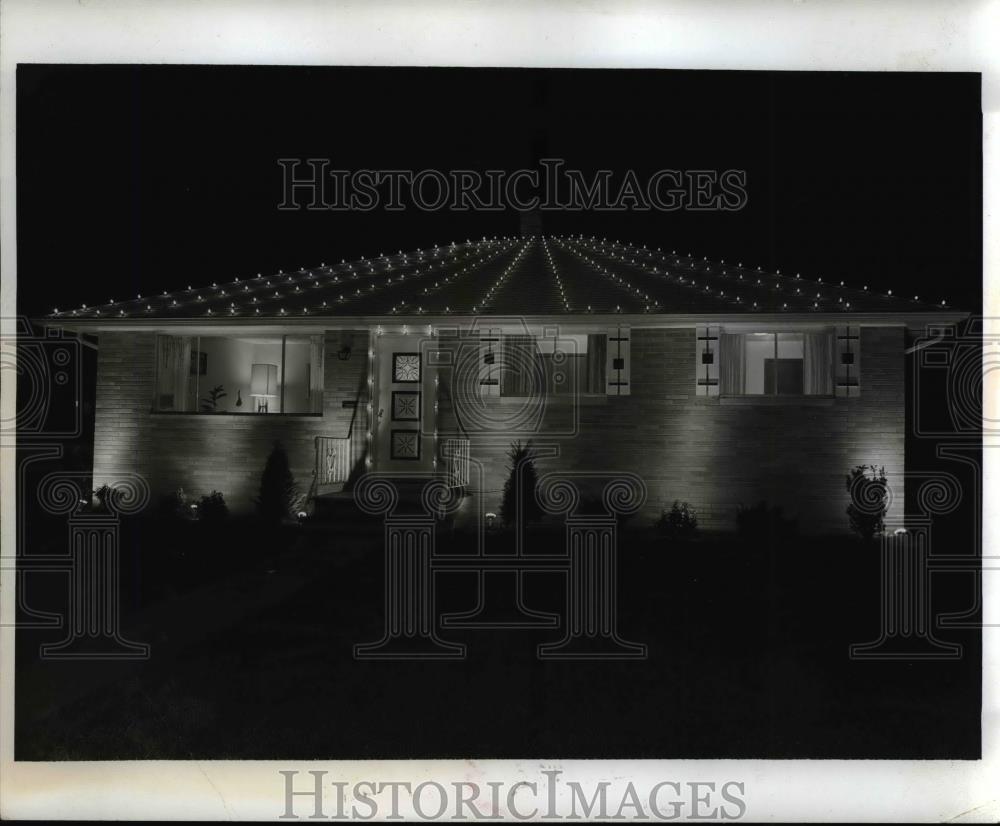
x=264 y=380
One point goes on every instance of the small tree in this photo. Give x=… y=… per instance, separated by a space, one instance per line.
x=519 y=489
x=102 y=500
x=279 y=495
x=212 y=507
x=680 y=522
x=869 y=500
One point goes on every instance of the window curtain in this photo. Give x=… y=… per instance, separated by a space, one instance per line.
x=732 y=367
x=173 y=373
x=818 y=364
x=521 y=374
x=595 y=378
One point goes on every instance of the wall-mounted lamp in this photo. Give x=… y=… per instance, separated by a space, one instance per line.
x=344 y=353
x=263 y=384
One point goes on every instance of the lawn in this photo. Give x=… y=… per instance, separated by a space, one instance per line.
x=252 y=657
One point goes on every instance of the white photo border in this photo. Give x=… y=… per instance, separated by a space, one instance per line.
x=728 y=34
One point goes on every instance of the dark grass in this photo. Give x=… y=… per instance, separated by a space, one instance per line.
x=747 y=657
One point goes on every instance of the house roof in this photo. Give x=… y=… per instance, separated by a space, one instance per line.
x=537 y=275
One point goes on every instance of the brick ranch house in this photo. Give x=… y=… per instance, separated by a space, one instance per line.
x=718 y=384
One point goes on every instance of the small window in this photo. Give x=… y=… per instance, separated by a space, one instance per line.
x=525 y=366
x=239 y=374
x=776 y=364
x=573 y=364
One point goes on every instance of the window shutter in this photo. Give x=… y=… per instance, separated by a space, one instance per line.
x=314 y=375
x=706 y=361
x=848 y=365
x=490 y=339
x=618 y=370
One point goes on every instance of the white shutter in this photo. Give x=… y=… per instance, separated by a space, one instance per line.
x=847 y=378
x=706 y=361
x=618 y=370
x=490 y=342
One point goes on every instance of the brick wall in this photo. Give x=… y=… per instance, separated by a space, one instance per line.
x=202 y=453
x=712 y=454
x=717 y=455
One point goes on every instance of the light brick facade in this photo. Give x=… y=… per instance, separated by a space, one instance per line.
x=715 y=454
x=202 y=453
x=719 y=454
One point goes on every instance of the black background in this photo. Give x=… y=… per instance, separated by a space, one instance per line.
x=137 y=179
x=134 y=179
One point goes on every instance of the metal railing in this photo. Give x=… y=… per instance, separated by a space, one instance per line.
x=455 y=455
x=334 y=459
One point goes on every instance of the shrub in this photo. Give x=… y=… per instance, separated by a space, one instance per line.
x=212 y=507
x=521 y=474
x=680 y=522
x=101 y=500
x=279 y=495
x=869 y=500
x=177 y=505
x=762 y=521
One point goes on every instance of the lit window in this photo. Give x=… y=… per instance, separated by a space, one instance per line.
x=776 y=364
x=239 y=374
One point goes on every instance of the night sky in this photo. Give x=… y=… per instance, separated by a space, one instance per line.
x=149 y=178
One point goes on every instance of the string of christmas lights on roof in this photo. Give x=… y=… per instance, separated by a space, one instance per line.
x=563 y=296
x=478 y=265
x=501 y=279
x=674 y=273
x=832 y=297
x=635 y=294
x=453 y=278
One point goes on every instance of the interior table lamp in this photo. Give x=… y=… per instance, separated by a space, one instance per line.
x=263 y=384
